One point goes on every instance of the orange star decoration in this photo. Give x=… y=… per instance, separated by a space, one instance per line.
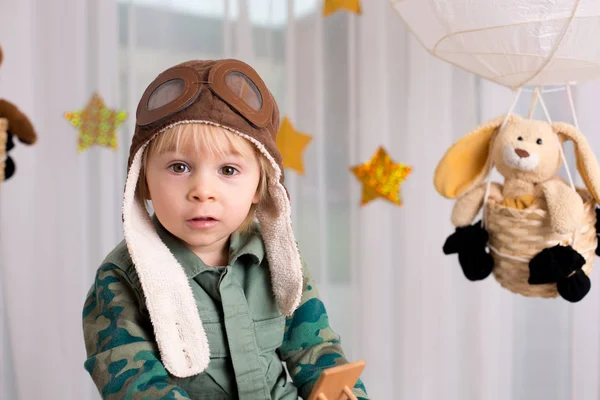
x=381 y=177
x=96 y=124
x=331 y=6
x=291 y=144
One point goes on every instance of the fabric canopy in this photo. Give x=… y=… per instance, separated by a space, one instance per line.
x=511 y=42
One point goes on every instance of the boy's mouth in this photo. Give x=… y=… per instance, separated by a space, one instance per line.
x=203 y=219
x=203 y=222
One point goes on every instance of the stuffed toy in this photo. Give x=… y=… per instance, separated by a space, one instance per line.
x=19 y=126
x=538 y=233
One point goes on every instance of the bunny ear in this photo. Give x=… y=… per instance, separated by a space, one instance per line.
x=467 y=162
x=587 y=164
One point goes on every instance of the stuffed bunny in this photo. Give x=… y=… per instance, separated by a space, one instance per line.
x=527 y=153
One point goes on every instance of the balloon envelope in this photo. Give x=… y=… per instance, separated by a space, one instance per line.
x=511 y=42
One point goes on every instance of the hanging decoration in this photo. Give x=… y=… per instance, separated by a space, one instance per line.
x=511 y=42
x=381 y=178
x=291 y=144
x=538 y=233
x=13 y=124
x=3 y=140
x=97 y=124
x=331 y=6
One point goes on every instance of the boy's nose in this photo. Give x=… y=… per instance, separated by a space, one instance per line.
x=202 y=190
x=202 y=195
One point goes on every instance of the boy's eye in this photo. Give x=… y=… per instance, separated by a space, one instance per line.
x=228 y=170
x=179 y=168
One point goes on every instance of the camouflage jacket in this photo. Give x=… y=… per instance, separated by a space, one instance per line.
x=123 y=357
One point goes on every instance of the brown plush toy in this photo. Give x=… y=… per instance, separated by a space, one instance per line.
x=540 y=230
x=18 y=126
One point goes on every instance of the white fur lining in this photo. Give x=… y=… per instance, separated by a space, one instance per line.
x=282 y=251
x=173 y=312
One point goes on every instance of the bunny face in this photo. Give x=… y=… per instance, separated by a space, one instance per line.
x=527 y=150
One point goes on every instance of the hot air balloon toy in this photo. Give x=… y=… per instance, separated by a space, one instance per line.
x=538 y=232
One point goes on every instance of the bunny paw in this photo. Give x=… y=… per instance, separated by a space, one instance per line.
x=470 y=244
x=553 y=264
x=575 y=287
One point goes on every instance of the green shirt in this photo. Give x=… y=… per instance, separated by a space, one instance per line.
x=248 y=337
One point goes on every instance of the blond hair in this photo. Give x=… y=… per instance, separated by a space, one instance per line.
x=215 y=140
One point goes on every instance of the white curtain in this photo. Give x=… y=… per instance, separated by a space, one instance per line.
x=60 y=212
x=352 y=82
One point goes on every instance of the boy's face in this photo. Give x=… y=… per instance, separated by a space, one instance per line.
x=202 y=198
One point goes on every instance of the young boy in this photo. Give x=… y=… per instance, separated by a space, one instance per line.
x=199 y=301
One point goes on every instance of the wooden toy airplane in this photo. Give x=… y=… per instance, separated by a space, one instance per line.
x=336 y=383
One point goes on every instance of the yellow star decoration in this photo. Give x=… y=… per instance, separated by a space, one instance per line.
x=291 y=144
x=381 y=177
x=96 y=124
x=331 y=6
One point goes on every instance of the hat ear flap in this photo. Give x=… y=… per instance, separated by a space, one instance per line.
x=467 y=162
x=587 y=164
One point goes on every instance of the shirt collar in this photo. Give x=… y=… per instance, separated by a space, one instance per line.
x=245 y=249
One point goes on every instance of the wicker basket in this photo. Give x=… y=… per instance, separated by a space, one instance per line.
x=3 y=138
x=524 y=233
